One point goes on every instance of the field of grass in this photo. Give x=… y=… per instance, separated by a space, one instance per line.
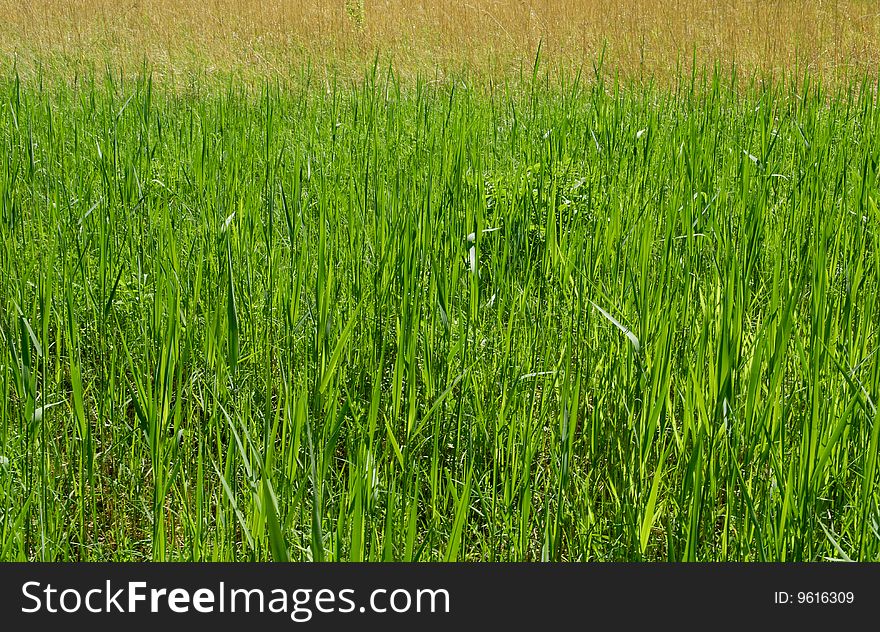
x=252 y=38
x=372 y=280
x=567 y=319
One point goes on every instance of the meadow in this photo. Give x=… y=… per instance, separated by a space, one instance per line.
x=552 y=313
x=253 y=39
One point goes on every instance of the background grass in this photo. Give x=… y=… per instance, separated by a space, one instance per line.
x=832 y=39
x=567 y=319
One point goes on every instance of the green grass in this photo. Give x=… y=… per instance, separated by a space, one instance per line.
x=240 y=325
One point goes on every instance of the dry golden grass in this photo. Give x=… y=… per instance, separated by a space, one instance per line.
x=831 y=38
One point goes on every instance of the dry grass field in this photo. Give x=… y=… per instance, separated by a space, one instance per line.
x=830 y=38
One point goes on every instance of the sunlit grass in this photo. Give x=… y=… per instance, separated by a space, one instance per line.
x=571 y=320
x=832 y=39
